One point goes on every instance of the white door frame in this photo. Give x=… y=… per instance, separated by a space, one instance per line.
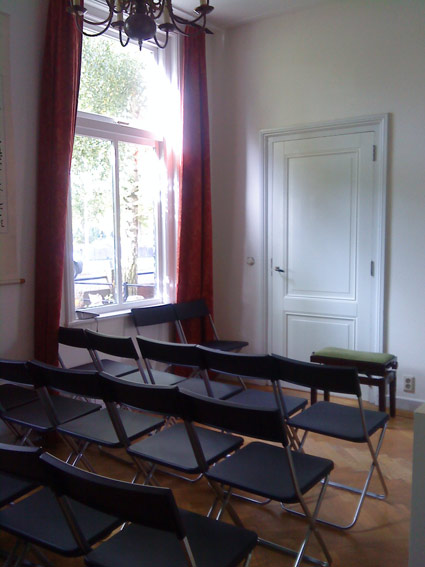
x=379 y=125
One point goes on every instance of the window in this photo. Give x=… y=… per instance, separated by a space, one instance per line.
x=122 y=196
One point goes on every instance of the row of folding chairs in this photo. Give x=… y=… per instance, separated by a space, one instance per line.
x=174 y=313
x=173 y=357
x=68 y=511
x=209 y=431
x=186 y=313
x=173 y=448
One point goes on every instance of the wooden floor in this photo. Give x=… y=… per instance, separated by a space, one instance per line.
x=380 y=537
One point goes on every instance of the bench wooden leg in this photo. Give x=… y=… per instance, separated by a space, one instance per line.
x=381 y=388
x=393 y=388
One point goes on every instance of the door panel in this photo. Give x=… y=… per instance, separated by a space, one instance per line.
x=322 y=200
x=303 y=329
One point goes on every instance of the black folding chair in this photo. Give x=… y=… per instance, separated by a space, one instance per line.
x=157 y=315
x=186 y=356
x=16 y=391
x=154 y=315
x=95 y=428
x=198 y=310
x=159 y=534
x=39 y=520
x=271 y=471
x=11 y=395
x=334 y=419
x=12 y=488
x=31 y=417
x=77 y=338
x=258 y=367
x=170 y=447
x=121 y=347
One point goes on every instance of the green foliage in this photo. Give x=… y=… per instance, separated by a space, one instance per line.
x=113 y=80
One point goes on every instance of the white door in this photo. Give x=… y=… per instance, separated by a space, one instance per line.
x=325 y=242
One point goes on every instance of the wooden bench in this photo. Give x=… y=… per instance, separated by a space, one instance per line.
x=374 y=368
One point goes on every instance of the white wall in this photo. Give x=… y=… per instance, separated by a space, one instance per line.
x=27 y=23
x=345 y=59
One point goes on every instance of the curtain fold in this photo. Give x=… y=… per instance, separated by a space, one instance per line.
x=194 y=247
x=57 y=117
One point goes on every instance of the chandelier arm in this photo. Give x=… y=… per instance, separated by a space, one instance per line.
x=78 y=22
x=126 y=42
x=195 y=21
x=79 y=11
x=182 y=31
x=165 y=42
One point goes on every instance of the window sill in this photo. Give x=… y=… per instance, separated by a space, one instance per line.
x=100 y=316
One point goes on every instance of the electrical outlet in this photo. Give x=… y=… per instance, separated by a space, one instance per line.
x=409 y=384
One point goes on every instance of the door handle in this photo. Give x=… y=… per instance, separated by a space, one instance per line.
x=278 y=269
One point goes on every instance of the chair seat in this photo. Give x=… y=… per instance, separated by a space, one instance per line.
x=171 y=447
x=39 y=519
x=336 y=420
x=12 y=396
x=33 y=414
x=112 y=367
x=12 y=488
x=213 y=543
x=259 y=398
x=163 y=378
x=220 y=390
x=116 y=368
x=97 y=427
x=262 y=469
x=226 y=345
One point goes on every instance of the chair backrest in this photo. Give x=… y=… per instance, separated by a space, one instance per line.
x=73 y=337
x=15 y=371
x=238 y=364
x=109 y=344
x=145 y=505
x=196 y=309
x=22 y=462
x=78 y=382
x=191 y=309
x=339 y=379
x=260 y=423
x=170 y=353
x=158 y=399
x=76 y=338
x=155 y=315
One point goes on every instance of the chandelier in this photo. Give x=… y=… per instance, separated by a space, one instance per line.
x=139 y=19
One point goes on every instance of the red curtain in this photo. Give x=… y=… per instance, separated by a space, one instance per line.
x=57 y=116
x=194 y=248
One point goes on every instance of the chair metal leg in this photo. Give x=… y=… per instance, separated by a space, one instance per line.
x=291 y=552
x=224 y=496
x=362 y=491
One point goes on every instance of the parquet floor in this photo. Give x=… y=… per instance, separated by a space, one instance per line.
x=380 y=537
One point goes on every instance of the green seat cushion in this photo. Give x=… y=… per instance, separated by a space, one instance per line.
x=356 y=355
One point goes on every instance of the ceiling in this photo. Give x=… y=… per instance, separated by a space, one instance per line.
x=231 y=13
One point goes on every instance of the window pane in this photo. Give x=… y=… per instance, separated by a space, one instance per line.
x=139 y=186
x=119 y=83
x=93 y=222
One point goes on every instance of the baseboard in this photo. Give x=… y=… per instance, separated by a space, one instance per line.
x=408 y=404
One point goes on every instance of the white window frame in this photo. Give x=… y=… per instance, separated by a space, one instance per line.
x=106 y=128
